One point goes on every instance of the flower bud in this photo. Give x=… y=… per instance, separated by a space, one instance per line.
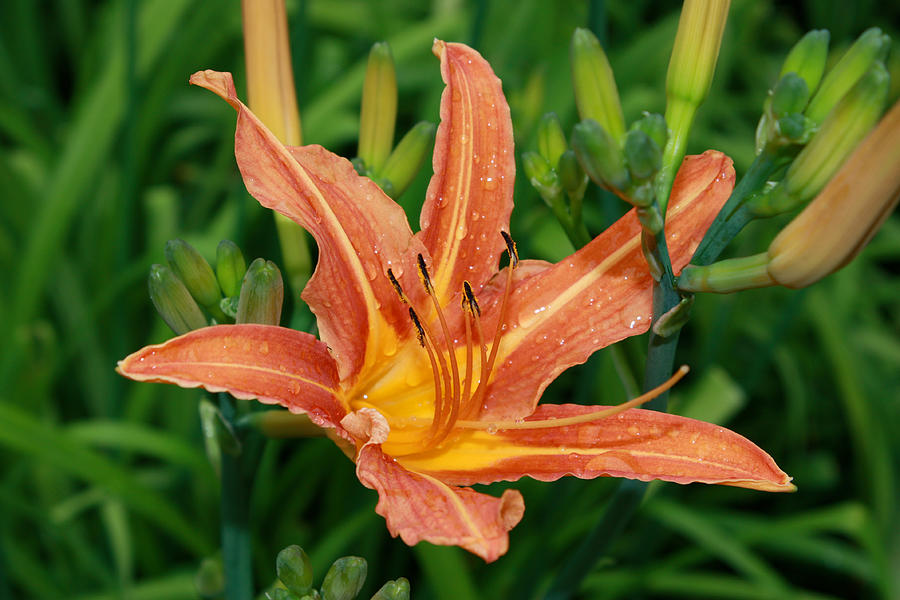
x=696 y=49
x=393 y=590
x=294 y=569
x=868 y=49
x=571 y=175
x=846 y=214
x=807 y=58
x=789 y=95
x=194 y=272
x=551 y=139
x=727 y=276
x=643 y=155
x=654 y=125
x=173 y=302
x=379 y=108
x=407 y=158
x=845 y=126
x=262 y=294
x=542 y=177
x=599 y=155
x=596 y=94
x=344 y=579
x=230 y=267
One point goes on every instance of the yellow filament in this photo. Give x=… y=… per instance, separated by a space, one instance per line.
x=578 y=419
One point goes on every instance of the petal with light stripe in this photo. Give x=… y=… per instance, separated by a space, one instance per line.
x=274 y=365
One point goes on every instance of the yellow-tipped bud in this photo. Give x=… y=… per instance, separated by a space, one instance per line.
x=379 y=109
x=807 y=58
x=696 y=50
x=846 y=214
x=845 y=126
x=869 y=48
x=596 y=93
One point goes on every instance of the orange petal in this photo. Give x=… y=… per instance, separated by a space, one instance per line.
x=359 y=230
x=470 y=196
x=636 y=444
x=419 y=507
x=274 y=365
x=561 y=315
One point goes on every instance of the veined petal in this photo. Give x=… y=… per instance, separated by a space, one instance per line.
x=420 y=507
x=470 y=196
x=599 y=295
x=636 y=444
x=274 y=365
x=359 y=230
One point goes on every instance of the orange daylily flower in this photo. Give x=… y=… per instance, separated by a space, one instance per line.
x=431 y=363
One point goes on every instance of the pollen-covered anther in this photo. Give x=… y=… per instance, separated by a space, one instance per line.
x=470 y=303
x=397 y=287
x=423 y=275
x=420 y=333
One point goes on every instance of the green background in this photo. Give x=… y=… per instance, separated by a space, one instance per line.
x=106 y=153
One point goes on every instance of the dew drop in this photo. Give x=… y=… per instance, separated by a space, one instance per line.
x=491 y=429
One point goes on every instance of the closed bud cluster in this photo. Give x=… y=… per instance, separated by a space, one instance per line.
x=596 y=94
x=807 y=59
x=845 y=126
x=542 y=176
x=230 y=267
x=262 y=294
x=551 y=139
x=869 y=48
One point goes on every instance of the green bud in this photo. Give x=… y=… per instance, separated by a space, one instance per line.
x=282 y=594
x=407 y=158
x=541 y=175
x=262 y=294
x=795 y=128
x=393 y=590
x=671 y=321
x=654 y=125
x=195 y=272
x=842 y=130
x=294 y=569
x=210 y=579
x=595 y=86
x=173 y=302
x=230 y=267
x=571 y=175
x=643 y=155
x=789 y=95
x=599 y=155
x=726 y=276
x=869 y=48
x=229 y=306
x=379 y=108
x=344 y=579
x=551 y=139
x=807 y=58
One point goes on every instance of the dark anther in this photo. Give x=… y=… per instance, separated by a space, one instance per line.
x=420 y=332
x=423 y=272
x=469 y=297
x=396 y=285
x=511 y=249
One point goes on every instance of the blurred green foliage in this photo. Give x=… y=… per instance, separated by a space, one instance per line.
x=106 y=153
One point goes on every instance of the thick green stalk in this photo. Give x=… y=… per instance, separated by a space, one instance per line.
x=235 y=505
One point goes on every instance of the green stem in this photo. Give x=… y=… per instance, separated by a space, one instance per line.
x=735 y=215
x=235 y=505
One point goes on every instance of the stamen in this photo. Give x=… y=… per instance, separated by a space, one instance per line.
x=438 y=370
x=579 y=419
x=397 y=287
x=469 y=297
x=423 y=274
x=420 y=333
x=511 y=249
